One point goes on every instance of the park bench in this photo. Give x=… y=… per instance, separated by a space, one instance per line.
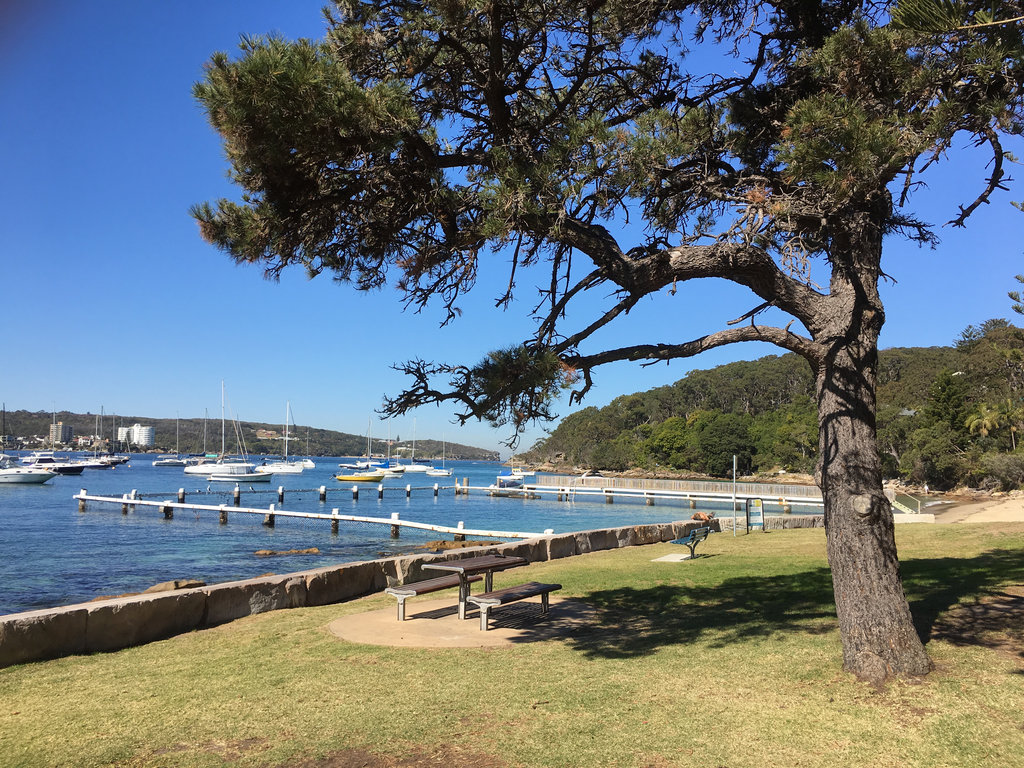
x=487 y=600
x=692 y=539
x=404 y=591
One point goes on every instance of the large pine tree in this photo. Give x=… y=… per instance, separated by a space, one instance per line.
x=422 y=135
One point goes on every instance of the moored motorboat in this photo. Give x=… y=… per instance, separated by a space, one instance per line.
x=241 y=477
x=61 y=465
x=170 y=460
x=506 y=485
x=365 y=476
x=13 y=472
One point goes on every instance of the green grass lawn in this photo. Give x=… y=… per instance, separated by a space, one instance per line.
x=732 y=659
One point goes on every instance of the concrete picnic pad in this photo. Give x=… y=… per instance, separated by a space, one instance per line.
x=436 y=624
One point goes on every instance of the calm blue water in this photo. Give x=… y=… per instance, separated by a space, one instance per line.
x=51 y=554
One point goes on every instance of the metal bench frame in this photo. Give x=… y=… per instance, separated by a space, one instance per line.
x=404 y=591
x=693 y=538
x=487 y=600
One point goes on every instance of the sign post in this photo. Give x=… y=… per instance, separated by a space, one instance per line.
x=734 y=495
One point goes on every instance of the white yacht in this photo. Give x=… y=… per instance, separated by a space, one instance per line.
x=11 y=471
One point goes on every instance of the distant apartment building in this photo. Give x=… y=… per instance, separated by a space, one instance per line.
x=136 y=434
x=61 y=433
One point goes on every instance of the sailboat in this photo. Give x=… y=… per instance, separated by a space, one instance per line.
x=177 y=460
x=223 y=466
x=413 y=465
x=283 y=467
x=440 y=471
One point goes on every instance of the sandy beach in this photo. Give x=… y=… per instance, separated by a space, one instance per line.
x=995 y=509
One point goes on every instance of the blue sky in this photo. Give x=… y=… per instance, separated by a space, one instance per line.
x=111 y=299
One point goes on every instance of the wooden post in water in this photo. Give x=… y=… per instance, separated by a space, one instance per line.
x=323 y=493
x=124 y=505
x=394 y=528
x=334 y=523
x=280 y=494
x=435 y=490
x=269 y=519
x=237 y=496
x=223 y=515
x=81 y=501
x=135 y=495
x=460 y=536
x=380 y=491
x=355 y=493
x=181 y=495
x=168 y=510
x=408 y=491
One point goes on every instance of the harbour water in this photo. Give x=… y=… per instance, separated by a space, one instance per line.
x=51 y=554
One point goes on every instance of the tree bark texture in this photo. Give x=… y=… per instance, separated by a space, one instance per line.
x=878 y=634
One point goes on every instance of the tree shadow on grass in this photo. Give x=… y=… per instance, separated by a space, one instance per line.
x=966 y=600
x=634 y=622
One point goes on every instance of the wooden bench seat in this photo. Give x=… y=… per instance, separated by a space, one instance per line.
x=487 y=600
x=693 y=538
x=405 y=591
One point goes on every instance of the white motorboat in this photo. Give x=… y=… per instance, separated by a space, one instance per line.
x=13 y=472
x=240 y=477
x=62 y=465
x=170 y=460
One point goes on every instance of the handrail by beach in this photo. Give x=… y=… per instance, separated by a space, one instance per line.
x=570 y=492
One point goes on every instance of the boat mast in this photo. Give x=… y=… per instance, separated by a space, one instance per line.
x=222 y=418
x=287 y=409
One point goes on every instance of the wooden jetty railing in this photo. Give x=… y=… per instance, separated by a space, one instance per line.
x=167 y=507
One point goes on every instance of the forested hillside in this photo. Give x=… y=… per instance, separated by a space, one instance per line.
x=946 y=416
x=199 y=435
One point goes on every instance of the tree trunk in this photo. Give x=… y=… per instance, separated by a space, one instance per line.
x=877 y=631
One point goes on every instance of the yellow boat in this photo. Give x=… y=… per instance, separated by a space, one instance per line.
x=361 y=477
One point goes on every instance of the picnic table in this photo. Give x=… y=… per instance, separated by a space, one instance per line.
x=472 y=566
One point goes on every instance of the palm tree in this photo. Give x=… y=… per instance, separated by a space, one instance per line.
x=1012 y=415
x=985 y=420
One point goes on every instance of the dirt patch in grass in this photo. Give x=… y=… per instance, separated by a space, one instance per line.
x=361 y=758
x=994 y=621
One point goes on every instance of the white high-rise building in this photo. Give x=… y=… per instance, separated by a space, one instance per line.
x=136 y=434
